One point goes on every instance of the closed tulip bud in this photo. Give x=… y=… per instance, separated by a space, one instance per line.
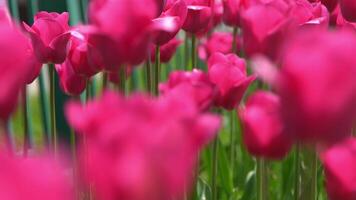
x=70 y=82
x=198 y=17
x=167 y=50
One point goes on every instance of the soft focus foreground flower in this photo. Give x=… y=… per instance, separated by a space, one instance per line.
x=167 y=25
x=229 y=74
x=317 y=86
x=195 y=83
x=199 y=15
x=305 y=13
x=167 y=50
x=70 y=82
x=340 y=163
x=348 y=9
x=80 y=54
x=15 y=68
x=147 y=148
x=263 y=129
x=218 y=42
x=124 y=30
x=33 y=179
x=49 y=35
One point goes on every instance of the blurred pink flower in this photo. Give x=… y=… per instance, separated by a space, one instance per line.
x=340 y=163
x=33 y=179
x=228 y=73
x=232 y=12
x=49 y=35
x=199 y=15
x=263 y=133
x=218 y=42
x=124 y=30
x=167 y=50
x=167 y=25
x=146 y=147
x=15 y=67
x=195 y=83
x=316 y=84
x=330 y=4
x=348 y=9
x=70 y=82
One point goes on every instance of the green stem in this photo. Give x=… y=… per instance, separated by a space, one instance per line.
x=214 y=170
x=6 y=128
x=105 y=81
x=194 y=53
x=44 y=110
x=261 y=179
x=234 y=40
x=232 y=141
x=53 y=107
x=157 y=70
x=122 y=80
x=297 y=172
x=27 y=139
x=314 y=176
x=186 y=52
x=148 y=76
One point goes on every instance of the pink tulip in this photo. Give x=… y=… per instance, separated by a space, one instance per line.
x=228 y=73
x=33 y=179
x=348 y=9
x=195 y=83
x=151 y=153
x=70 y=82
x=14 y=67
x=169 y=22
x=330 y=4
x=79 y=56
x=4 y=12
x=340 y=163
x=49 y=35
x=263 y=133
x=317 y=86
x=305 y=13
x=123 y=30
x=218 y=11
x=199 y=15
x=33 y=64
x=218 y=42
x=166 y=51
x=232 y=12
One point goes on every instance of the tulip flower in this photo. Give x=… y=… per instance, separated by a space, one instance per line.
x=70 y=82
x=317 y=86
x=155 y=138
x=218 y=11
x=33 y=179
x=15 y=67
x=218 y=42
x=228 y=73
x=263 y=133
x=166 y=51
x=125 y=37
x=49 y=35
x=4 y=13
x=232 y=12
x=348 y=10
x=80 y=54
x=330 y=4
x=305 y=13
x=169 y=22
x=199 y=15
x=339 y=162
x=341 y=22
x=196 y=83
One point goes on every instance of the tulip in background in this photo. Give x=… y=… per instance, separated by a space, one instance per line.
x=348 y=9
x=167 y=50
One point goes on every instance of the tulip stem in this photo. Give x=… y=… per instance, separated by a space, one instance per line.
x=105 y=81
x=214 y=170
x=314 y=176
x=297 y=172
x=157 y=70
x=122 y=80
x=26 y=143
x=261 y=172
x=53 y=107
x=232 y=141
x=5 y=128
x=186 y=52
x=148 y=76
x=44 y=110
x=193 y=53
x=234 y=40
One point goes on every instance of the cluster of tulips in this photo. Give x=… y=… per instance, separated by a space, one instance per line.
x=299 y=54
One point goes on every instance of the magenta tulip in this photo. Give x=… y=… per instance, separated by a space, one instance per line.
x=218 y=42
x=348 y=10
x=232 y=12
x=340 y=163
x=49 y=35
x=155 y=138
x=317 y=86
x=330 y=4
x=70 y=82
x=166 y=51
x=199 y=15
x=228 y=73
x=33 y=179
x=196 y=83
x=263 y=133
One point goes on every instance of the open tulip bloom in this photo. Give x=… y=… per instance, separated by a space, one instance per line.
x=178 y=100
